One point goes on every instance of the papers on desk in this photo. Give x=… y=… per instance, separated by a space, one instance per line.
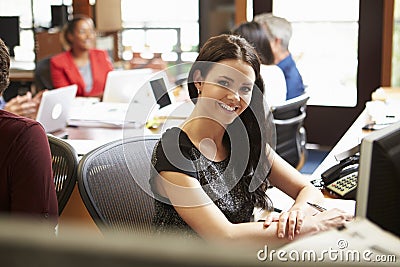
x=92 y=113
x=383 y=112
x=22 y=65
x=102 y=114
x=171 y=115
x=283 y=202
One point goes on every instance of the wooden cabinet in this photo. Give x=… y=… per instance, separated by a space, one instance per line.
x=108 y=15
x=47 y=43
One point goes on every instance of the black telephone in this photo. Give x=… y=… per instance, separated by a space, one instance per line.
x=341 y=179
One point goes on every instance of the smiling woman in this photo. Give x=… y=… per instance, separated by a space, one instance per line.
x=212 y=171
x=230 y=83
x=82 y=64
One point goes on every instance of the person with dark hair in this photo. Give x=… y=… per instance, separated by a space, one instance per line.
x=209 y=173
x=26 y=179
x=82 y=64
x=279 y=32
x=275 y=83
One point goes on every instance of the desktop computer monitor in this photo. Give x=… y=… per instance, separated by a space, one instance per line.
x=379 y=178
x=59 y=15
x=9 y=32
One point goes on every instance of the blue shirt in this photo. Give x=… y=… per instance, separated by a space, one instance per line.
x=294 y=81
x=2 y=102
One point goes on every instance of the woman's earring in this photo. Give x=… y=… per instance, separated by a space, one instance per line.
x=198 y=88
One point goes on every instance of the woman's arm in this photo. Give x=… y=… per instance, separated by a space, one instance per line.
x=204 y=217
x=293 y=183
x=57 y=71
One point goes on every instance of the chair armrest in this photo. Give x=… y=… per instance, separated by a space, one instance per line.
x=291 y=120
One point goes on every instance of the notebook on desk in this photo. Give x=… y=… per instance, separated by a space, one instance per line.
x=102 y=114
x=55 y=106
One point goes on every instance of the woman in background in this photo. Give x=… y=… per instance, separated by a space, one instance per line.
x=81 y=64
x=275 y=83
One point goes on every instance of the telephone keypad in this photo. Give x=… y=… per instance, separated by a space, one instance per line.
x=344 y=184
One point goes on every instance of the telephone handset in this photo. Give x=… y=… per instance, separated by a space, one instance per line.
x=341 y=179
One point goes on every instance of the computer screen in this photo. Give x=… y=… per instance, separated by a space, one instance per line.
x=9 y=32
x=59 y=15
x=160 y=92
x=379 y=178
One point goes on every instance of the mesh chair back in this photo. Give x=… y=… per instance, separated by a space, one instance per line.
x=290 y=133
x=114 y=185
x=65 y=165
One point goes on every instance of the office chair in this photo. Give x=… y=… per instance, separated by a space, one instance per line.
x=108 y=183
x=291 y=136
x=65 y=165
x=42 y=76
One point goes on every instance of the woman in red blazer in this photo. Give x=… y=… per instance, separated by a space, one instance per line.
x=81 y=64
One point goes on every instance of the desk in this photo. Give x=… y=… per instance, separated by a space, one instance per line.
x=21 y=75
x=103 y=134
x=94 y=133
x=355 y=133
x=362 y=234
x=351 y=138
x=21 y=71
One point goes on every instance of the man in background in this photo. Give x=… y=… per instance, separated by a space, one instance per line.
x=26 y=178
x=279 y=32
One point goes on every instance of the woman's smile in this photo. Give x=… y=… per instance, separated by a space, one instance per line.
x=227 y=107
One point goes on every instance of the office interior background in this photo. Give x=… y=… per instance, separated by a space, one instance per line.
x=344 y=49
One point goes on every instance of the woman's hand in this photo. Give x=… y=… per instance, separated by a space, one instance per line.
x=294 y=222
x=329 y=219
x=289 y=222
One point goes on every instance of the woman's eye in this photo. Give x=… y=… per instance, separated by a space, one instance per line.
x=223 y=83
x=88 y=32
x=245 y=89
